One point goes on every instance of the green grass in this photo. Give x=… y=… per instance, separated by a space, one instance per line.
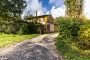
x=48 y=32
x=6 y=39
x=70 y=51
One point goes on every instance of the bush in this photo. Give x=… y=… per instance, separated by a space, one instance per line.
x=19 y=27
x=84 y=36
x=76 y=30
x=23 y=29
x=69 y=27
x=29 y=28
x=7 y=28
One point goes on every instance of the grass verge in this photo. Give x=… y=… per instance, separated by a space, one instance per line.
x=6 y=39
x=48 y=32
x=70 y=51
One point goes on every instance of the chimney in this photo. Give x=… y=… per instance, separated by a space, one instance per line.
x=36 y=14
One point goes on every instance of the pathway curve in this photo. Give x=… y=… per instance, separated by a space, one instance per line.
x=33 y=50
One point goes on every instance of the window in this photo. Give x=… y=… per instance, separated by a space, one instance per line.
x=43 y=18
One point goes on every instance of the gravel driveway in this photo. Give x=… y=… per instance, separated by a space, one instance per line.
x=33 y=50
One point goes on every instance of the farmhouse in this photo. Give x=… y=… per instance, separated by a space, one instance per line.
x=46 y=20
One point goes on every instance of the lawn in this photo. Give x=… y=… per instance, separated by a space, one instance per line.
x=49 y=32
x=6 y=39
x=70 y=51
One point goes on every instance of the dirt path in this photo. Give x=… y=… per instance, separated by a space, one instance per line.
x=33 y=50
x=38 y=38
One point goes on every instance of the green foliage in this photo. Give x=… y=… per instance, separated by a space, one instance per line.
x=74 y=8
x=68 y=27
x=70 y=51
x=12 y=7
x=29 y=16
x=8 y=29
x=59 y=18
x=23 y=28
x=84 y=36
x=29 y=28
x=10 y=18
x=76 y=30
x=19 y=27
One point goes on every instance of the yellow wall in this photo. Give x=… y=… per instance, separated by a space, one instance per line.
x=51 y=19
x=56 y=27
x=40 y=20
x=48 y=18
x=52 y=27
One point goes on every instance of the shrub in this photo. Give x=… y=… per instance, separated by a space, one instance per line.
x=84 y=36
x=7 y=28
x=69 y=27
x=23 y=29
x=19 y=27
x=29 y=28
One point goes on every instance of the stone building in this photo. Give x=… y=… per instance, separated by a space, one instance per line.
x=46 y=20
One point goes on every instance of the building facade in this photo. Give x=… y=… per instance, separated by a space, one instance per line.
x=47 y=21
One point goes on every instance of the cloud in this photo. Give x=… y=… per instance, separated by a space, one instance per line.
x=56 y=12
x=40 y=13
x=32 y=6
x=26 y=0
x=87 y=9
x=56 y=2
x=47 y=12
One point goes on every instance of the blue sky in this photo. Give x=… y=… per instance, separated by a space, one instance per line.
x=49 y=3
x=54 y=7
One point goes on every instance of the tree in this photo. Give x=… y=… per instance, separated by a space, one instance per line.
x=74 y=8
x=11 y=7
x=57 y=19
x=28 y=16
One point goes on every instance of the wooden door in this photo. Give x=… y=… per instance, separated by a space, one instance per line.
x=48 y=27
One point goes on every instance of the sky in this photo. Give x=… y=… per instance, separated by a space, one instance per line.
x=54 y=7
